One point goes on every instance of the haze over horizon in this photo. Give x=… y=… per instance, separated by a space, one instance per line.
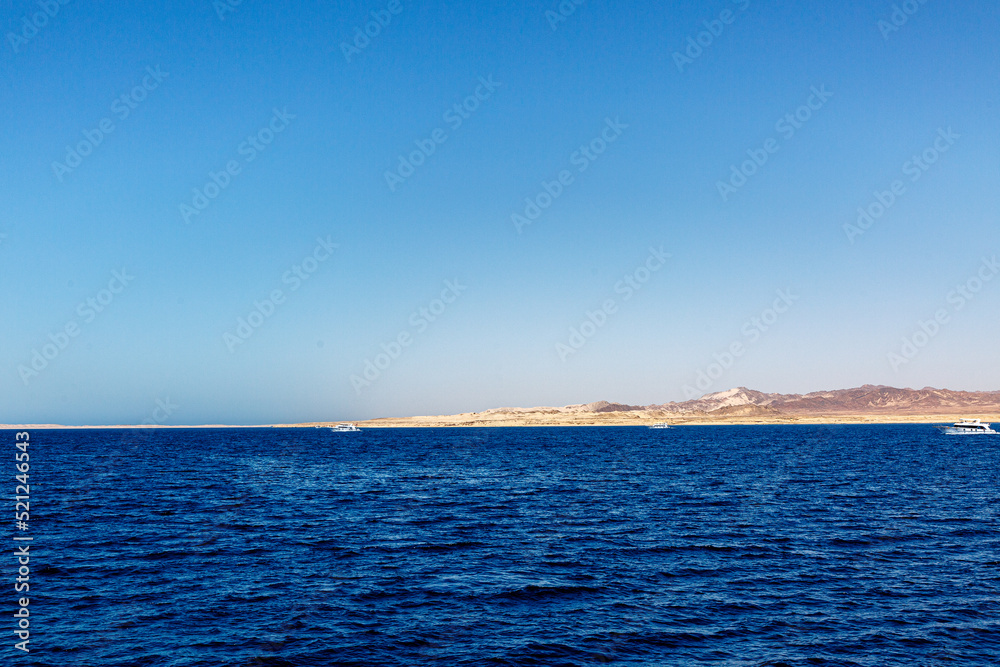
x=262 y=214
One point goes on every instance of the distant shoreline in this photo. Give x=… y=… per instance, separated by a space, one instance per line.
x=868 y=404
x=620 y=419
x=613 y=419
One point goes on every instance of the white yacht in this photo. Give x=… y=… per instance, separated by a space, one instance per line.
x=660 y=425
x=967 y=426
x=344 y=428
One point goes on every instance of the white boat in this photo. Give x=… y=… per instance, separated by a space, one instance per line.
x=660 y=425
x=967 y=426
x=344 y=428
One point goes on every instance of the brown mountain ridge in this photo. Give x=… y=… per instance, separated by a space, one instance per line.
x=866 y=404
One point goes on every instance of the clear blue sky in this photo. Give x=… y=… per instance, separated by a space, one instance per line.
x=329 y=122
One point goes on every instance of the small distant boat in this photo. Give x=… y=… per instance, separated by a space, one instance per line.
x=660 y=425
x=967 y=426
x=344 y=428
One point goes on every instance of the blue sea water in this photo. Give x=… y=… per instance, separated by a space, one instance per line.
x=736 y=546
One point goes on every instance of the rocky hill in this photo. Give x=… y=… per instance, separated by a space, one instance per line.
x=868 y=399
x=869 y=403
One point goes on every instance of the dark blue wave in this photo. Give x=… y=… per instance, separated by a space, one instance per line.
x=738 y=546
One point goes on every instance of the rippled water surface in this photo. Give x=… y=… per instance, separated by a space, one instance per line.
x=792 y=545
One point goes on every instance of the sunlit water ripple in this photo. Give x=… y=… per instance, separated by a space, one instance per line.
x=792 y=545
